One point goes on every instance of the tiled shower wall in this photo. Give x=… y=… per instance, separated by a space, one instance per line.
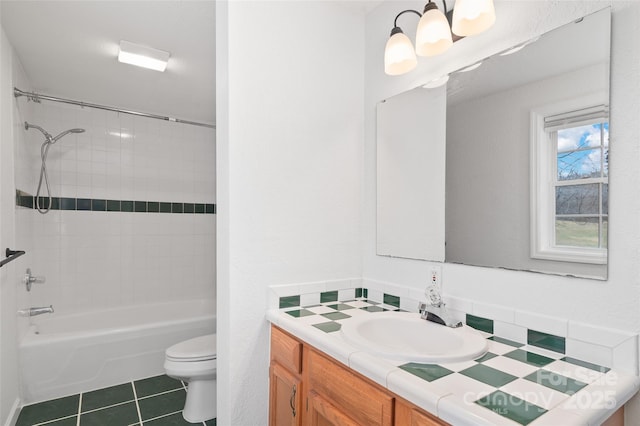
x=103 y=259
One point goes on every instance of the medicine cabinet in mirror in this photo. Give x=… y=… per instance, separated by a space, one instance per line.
x=507 y=165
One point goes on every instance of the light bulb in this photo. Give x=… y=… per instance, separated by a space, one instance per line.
x=471 y=17
x=399 y=56
x=433 y=35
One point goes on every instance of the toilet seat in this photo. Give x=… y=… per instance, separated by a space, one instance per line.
x=201 y=348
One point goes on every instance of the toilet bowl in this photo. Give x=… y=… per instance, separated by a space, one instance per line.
x=194 y=362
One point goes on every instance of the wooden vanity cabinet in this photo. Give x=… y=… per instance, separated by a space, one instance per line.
x=285 y=380
x=308 y=388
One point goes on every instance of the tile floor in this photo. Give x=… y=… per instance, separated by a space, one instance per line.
x=156 y=401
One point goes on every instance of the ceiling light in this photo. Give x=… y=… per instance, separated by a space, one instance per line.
x=142 y=56
x=434 y=34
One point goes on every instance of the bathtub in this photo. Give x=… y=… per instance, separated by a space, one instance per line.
x=66 y=354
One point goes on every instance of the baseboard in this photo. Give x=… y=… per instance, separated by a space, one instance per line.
x=12 y=418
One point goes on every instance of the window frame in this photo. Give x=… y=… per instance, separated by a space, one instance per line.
x=543 y=174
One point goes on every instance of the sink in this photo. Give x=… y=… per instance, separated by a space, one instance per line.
x=404 y=336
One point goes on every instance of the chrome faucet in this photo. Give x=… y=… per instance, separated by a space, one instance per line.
x=435 y=310
x=32 y=312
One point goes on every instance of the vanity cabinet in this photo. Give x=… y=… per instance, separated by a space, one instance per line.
x=285 y=380
x=308 y=388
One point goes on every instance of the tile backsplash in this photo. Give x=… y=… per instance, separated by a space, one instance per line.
x=584 y=342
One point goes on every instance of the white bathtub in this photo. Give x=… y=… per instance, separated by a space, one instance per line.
x=67 y=354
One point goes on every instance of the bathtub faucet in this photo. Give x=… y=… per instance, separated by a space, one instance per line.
x=32 y=312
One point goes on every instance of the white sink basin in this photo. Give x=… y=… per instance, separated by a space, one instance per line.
x=404 y=336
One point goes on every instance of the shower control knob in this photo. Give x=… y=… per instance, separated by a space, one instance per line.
x=30 y=279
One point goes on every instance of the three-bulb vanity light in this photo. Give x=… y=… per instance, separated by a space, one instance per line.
x=436 y=32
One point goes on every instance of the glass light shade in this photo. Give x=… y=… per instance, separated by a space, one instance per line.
x=399 y=56
x=433 y=35
x=471 y=17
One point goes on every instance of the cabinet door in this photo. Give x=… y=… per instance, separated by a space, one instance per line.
x=366 y=403
x=408 y=414
x=285 y=397
x=322 y=413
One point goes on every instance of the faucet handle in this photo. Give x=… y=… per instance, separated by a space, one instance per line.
x=433 y=296
x=29 y=279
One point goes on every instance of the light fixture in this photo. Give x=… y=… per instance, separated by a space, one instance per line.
x=472 y=17
x=434 y=34
x=142 y=56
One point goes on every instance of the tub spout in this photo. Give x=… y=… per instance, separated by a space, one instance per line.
x=32 y=312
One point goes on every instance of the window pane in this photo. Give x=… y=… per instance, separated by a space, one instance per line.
x=577 y=199
x=579 y=164
x=580 y=137
x=577 y=232
x=605 y=198
x=605 y=232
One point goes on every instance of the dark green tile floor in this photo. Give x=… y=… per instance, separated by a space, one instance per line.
x=156 y=401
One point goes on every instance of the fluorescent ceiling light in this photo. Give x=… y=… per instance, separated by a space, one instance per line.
x=142 y=56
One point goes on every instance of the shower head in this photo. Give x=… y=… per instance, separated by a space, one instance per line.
x=54 y=140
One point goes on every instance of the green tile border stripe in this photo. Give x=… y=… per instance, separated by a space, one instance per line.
x=482 y=324
x=389 y=299
x=546 y=341
x=24 y=199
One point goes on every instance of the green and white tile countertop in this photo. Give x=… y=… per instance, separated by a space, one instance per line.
x=515 y=383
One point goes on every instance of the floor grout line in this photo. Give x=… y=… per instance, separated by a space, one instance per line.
x=161 y=393
x=48 y=422
x=135 y=397
x=79 y=409
x=164 y=415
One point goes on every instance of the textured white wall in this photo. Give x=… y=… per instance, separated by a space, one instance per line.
x=613 y=303
x=290 y=141
x=8 y=323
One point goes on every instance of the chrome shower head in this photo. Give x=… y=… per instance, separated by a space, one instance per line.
x=54 y=140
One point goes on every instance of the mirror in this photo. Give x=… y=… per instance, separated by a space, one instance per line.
x=497 y=116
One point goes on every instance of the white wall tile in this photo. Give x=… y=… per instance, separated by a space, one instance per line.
x=509 y=331
x=594 y=334
x=103 y=259
x=494 y=312
x=590 y=352
x=543 y=323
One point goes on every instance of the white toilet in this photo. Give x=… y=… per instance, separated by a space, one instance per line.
x=194 y=362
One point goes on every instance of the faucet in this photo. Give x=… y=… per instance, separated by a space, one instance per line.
x=435 y=311
x=32 y=312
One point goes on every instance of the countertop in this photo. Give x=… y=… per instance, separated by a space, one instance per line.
x=513 y=384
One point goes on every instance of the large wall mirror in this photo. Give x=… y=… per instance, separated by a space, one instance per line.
x=526 y=177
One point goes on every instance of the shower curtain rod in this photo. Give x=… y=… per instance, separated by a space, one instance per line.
x=33 y=96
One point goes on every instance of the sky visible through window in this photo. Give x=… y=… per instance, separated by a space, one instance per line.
x=580 y=151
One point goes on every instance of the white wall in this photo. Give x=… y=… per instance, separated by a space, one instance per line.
x=10 y=295
x=103 y=259
x=613 y=303
x=290 y=122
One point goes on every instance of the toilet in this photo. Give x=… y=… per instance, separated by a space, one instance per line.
x=194 y=362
